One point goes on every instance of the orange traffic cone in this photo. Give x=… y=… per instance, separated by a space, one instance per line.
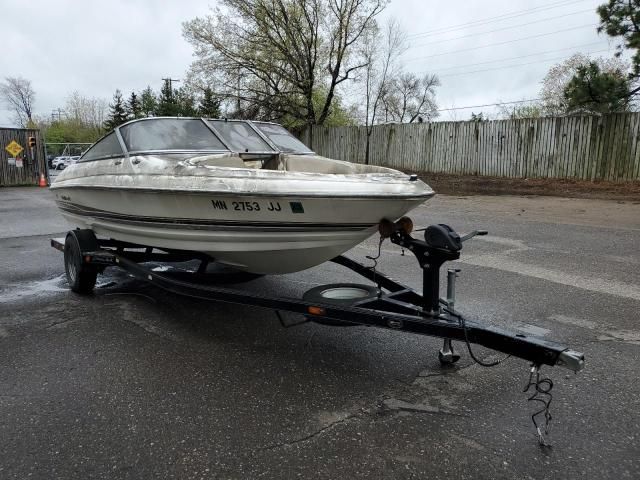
x=43 y=181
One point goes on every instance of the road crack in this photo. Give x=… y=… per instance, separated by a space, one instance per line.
x=312 y=435
x=61 y=322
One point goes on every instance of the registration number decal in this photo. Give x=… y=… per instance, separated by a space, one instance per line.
x=250 y=206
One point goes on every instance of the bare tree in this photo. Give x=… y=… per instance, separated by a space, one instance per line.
x=380 y=54
x=411 y=98
x=520 y=111
x=88 y=111
x=18 y=96
x=280 y=58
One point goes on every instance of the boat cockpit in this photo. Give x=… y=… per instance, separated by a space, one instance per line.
x=218 y=143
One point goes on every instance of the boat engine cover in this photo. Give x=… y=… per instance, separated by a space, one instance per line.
x=443 y=236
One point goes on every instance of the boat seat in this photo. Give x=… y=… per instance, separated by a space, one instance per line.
x=316 y=164
x=217 y=160
x=274 y=163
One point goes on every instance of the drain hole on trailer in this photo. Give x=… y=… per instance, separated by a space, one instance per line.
x=343 y=294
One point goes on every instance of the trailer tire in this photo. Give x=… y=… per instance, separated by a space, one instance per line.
x=81 y=277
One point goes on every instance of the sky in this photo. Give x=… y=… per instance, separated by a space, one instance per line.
x=483 y=51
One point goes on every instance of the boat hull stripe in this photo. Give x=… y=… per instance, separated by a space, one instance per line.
x=202 y=224
x=297 y=195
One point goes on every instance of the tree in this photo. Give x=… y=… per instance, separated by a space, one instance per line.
x=621 y=18
x=185 y=103
x=83 y=122
x=117 y=113
x=18 y=96
x=595 y=91
x=275 y=57
x=209 y=106
x=134 y=109
x=167 y=105
x=86 y=111
x=411 y=98
x=380 y=56
x=533 y=110
x=478 y=117
x=556 y=80
x=148 y=102
x=68 y=130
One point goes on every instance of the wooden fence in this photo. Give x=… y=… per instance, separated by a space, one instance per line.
x=578 y=147
x=33 y=161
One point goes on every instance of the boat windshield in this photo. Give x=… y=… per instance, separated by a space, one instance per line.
x=169 y=134
x=281 y=137
x=240 y=137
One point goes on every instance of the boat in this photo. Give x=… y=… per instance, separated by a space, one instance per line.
x=245 y=193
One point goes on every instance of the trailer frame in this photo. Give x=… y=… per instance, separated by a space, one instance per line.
x=395 y=306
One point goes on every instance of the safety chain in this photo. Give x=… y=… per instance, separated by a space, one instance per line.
x=542 y=394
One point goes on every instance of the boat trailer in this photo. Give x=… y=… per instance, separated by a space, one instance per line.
x=389 y=304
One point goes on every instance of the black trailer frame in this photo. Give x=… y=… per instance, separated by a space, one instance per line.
x=395 y=306
x=392 y=305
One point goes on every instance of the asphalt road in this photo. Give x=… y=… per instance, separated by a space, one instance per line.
x=134 y=383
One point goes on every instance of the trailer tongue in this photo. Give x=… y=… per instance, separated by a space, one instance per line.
x=389 y=304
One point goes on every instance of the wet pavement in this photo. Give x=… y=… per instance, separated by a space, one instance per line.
x=132 y=382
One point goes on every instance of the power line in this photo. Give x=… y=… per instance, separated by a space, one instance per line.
x=489 y=105
x=512 y=66
x=502 y=29
x=504 y=16
x=504 y=43
x=511 y=58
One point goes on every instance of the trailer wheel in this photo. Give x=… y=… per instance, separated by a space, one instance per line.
x=80 y=276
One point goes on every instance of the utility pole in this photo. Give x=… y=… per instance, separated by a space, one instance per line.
x=56 y=113
x=170 y=81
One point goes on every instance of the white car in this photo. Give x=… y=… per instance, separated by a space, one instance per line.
x=57 y=161
x=65 y=162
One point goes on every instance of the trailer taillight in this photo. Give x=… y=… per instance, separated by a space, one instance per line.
x=316 y=310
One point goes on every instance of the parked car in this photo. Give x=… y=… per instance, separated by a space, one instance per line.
x=57 y=161
x=66 y=161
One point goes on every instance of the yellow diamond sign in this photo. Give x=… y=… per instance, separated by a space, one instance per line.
x=14 y=148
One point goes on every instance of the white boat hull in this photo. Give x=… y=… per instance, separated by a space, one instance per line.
x=279 y=223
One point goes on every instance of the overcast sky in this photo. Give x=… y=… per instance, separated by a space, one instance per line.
x=484 y=51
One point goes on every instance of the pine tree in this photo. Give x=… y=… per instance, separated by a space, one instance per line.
x=167 y=106
x=209 y=106
x=595 y=91
x=134 y=108
x=149 y=102
x=117 y=112
x=185 y=103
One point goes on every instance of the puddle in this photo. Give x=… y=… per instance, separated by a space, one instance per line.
x=162 y=268
x=14 y=292
x=20 y=291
